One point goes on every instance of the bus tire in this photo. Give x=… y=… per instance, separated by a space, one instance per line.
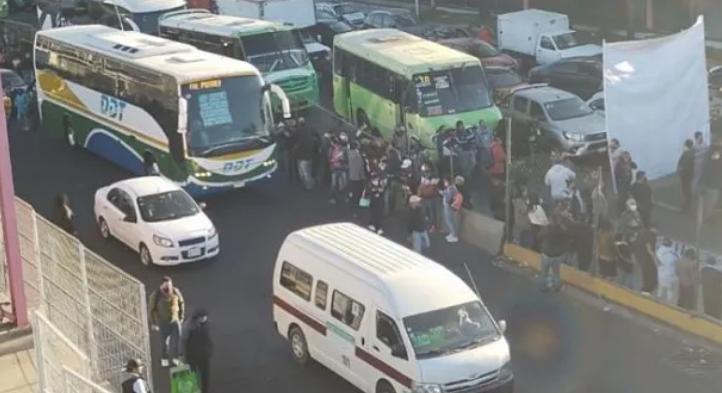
x=362 y=119
x=299 y=345
x=383 y=386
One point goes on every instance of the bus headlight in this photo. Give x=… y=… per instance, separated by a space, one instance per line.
x=269 y=163
x=203 y=174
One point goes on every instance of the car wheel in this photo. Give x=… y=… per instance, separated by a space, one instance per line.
x=145 y=258
x=385 y=387
x=104 y=229
x=299 y=346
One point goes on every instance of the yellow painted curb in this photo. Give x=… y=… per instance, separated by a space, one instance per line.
x=698 y=325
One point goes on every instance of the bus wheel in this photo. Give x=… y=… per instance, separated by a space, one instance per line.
x=384 y=387
x=362 y=119
x=299 y=346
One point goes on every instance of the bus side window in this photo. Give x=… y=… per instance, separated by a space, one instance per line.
x=411 y=104
x=338 y=60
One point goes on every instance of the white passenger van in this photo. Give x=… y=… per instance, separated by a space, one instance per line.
x=385 y=318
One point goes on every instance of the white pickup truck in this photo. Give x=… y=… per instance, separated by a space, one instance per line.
x=541 y=35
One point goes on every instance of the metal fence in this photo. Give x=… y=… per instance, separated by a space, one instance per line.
x=95 y=306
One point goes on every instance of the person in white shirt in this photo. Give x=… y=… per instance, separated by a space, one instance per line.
x=667 y=277
x=558 y=178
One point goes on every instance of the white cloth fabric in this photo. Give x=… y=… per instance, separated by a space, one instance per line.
x=557 y=179
x=651 y=109
x=667 y=261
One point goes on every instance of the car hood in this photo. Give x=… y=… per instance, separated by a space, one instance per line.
x=587 y=125
x=183 y=228
x=499 y=61
x=583 y=51
x=465 y=365
x=354 y=17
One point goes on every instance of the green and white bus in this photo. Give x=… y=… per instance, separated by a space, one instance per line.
x=386 y=78
x=203 y=120
x=274 y=48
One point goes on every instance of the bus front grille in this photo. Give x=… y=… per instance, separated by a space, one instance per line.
x=295 y=84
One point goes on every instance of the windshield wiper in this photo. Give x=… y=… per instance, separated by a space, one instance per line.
x=216 y=148
x=432 y=352
x=475 y=343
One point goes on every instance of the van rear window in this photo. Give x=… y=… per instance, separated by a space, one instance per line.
x=296 y=280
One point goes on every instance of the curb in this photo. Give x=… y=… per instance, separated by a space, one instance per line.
x=16 y=340
x=696 y=324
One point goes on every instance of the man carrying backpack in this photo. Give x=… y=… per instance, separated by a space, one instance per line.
x=167 y=310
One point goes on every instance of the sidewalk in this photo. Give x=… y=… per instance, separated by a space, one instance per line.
x=18 y=373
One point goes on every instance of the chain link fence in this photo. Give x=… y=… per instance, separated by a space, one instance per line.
x=85 y=301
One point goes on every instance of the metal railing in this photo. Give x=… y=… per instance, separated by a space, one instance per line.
x=77 y=295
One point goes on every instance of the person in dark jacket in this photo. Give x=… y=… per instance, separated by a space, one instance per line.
x=63 y=214
x=417 y=225
x=554 y=252
x=135 y=383
x=375 y=191
x=711 y=180
x=685 y=170
x=641 y=191
x=711 y=278
x=305 y=150
x=623 y=176
x=198 y=347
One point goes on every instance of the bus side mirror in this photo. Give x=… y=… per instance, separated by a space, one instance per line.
x=182 y=115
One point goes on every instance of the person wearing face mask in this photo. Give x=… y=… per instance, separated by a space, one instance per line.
x=685 y=170
x=135 y=383
x=198 y=347
x=167 y=309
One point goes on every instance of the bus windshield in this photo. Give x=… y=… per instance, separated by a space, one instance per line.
x=225 y=114
x=275 y=51
x=452 y=91
x=148 y=21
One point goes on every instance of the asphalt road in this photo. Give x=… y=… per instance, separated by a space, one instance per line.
x=558 y=345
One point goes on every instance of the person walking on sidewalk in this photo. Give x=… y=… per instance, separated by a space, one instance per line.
x=198 y=348
x=417 y=225
x=167 y=309
x=135 y=383
x=685 y=170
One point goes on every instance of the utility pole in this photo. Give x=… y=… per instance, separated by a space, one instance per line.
x=14 y=261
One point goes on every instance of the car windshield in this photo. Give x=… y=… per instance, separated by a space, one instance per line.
x=405 y=20
x=450 y=329
x=148 y=21
x=347 y=9
x=500 y=79
x=12 y=80
x=568 y=108
x=225 y=114
x=487 y=50
x=167 y=206
x=275 y=51
x=452 y=91
x=567 y=40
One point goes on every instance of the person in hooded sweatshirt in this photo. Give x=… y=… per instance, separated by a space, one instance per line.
x=198 y=347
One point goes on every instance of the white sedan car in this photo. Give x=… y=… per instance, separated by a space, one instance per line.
x=158 y=219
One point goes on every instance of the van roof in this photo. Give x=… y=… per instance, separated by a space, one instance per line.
x=412 y=283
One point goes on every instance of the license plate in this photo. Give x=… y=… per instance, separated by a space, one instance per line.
x=194 y=252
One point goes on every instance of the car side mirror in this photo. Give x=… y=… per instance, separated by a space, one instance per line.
x=502 y=326
x=399 y=351
x=202 y=205
x=129 y=218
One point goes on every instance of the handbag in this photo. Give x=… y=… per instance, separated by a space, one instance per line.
x=183 y=380
x=364 y=201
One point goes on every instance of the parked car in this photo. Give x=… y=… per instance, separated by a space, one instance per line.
x=402 y=20
x=596 y=103
x=157 y=219
x=503 y=81
x=325 y=30
x=553 y=119
x=485 y=52
x=582 y=76
x=346 y=12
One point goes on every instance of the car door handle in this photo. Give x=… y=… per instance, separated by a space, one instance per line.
x=376 y=348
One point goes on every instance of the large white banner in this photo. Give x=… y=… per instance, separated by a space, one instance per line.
x=656 y=96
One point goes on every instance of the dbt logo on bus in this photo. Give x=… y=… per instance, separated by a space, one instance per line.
x=112 y=107
x=236 y=166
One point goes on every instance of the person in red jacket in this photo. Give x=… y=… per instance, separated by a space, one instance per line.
x=486 y=35
x=498 y=156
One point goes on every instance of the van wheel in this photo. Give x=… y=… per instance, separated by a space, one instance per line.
x=299 y=346
x=384 y=387
x=362 y=119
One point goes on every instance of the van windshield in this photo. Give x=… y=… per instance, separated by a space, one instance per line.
x=451 y=329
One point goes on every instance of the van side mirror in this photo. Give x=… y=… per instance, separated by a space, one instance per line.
x=502 y=326
x=399 y=351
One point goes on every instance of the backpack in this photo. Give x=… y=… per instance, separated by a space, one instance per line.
x=158 y=295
